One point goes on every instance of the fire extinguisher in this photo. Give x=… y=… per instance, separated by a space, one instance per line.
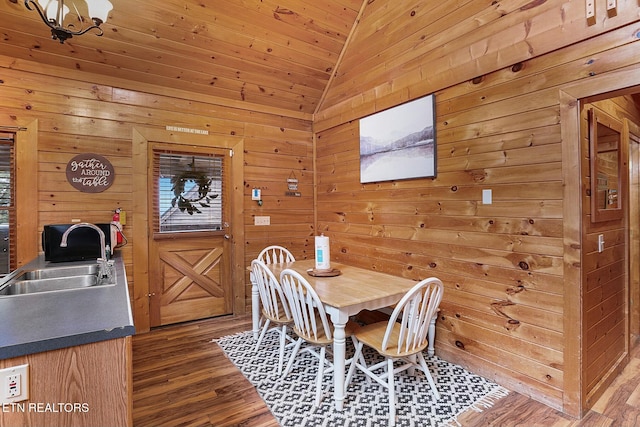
x=116 y=229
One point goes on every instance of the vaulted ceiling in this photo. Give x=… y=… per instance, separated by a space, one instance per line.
x=302 y=58
x=275 y=53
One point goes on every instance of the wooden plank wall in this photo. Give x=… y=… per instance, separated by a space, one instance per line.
x=80 y=112
x=95 y=376
x=271 y=159
x=502 y=264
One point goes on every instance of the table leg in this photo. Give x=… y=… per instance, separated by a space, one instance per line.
x=339 y=355
x=432 y=335
x=255 y=308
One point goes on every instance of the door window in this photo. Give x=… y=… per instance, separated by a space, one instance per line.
x=189 y=192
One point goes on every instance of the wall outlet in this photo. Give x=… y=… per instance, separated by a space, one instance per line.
x=15 y=384
x=262 y=220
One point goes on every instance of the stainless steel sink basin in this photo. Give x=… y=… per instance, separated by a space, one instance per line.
x=21 y=287
x=53 y=272
x=49 y=279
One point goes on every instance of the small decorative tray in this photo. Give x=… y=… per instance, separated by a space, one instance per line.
x=324 y=273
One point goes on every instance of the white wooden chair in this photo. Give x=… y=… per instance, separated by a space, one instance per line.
x=275 y=255
x=275 y=309
x=402 y=338
x=311 y=325
x=269 y=255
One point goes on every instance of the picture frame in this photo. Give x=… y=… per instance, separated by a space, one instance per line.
x=399 y=143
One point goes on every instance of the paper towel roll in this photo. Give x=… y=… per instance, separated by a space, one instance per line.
x=322 y=253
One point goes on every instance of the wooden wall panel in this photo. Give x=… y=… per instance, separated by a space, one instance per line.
x=78 y=115
x=96 y=378
x=442 y=45
x=503 y=313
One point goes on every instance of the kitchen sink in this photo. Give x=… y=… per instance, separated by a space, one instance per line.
x=59 y=278
x=54 y=272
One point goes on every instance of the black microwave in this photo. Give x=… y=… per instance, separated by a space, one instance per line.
x=83 y=243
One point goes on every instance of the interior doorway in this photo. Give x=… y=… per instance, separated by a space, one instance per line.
x=634 y=226
x=605 y=258
x=577 y=396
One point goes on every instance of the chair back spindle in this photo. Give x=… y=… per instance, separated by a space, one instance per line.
x=275 y=255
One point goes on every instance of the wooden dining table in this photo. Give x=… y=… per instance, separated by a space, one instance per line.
x=354 y=290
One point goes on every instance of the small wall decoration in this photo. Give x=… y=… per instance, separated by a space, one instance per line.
x=197 y=192
x=399 y=143
x=90 y=173
x=292 y=186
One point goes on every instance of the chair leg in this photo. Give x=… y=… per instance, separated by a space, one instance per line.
x=283 y=342
x=392 y=393
x=264 y=331
x=294 y=353
x=425 y=368
x=360 y=356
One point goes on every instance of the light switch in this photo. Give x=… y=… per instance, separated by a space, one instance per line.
x=486 y=197
x=600 y=242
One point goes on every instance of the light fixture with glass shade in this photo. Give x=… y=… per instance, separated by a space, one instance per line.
x=55 y=12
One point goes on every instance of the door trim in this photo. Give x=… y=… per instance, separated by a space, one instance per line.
x=26 y=152
x=141 y=139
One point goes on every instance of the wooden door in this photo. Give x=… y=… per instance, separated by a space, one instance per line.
x=189 y=268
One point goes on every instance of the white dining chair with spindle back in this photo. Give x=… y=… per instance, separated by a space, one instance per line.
x=403 y=338
x=311 y=325
x=275 y=309
x=273 y=254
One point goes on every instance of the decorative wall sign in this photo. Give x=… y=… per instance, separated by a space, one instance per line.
x=292 y=186
x=90 y=173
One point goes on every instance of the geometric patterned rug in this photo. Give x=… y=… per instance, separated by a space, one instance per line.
x=291 y=399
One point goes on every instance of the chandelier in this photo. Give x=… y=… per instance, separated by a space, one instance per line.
x=65 y=25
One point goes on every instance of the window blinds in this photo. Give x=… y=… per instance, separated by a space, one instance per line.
x=188 y=192
x=7 y=208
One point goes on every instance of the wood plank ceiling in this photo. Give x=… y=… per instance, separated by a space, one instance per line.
x=278 y=55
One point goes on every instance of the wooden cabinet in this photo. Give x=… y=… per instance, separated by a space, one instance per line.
x=86 y=385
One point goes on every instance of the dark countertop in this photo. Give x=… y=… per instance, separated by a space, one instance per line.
x=44 y=321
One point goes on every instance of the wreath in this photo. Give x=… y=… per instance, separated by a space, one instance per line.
x=182 y=200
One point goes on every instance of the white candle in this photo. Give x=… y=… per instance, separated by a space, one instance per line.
x=322 y=253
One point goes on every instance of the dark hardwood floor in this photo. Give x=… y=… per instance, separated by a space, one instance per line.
x=180 y=378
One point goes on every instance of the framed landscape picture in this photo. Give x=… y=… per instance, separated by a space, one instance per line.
x=399 y=143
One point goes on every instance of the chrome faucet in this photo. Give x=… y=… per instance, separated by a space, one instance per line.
x=105 y=266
